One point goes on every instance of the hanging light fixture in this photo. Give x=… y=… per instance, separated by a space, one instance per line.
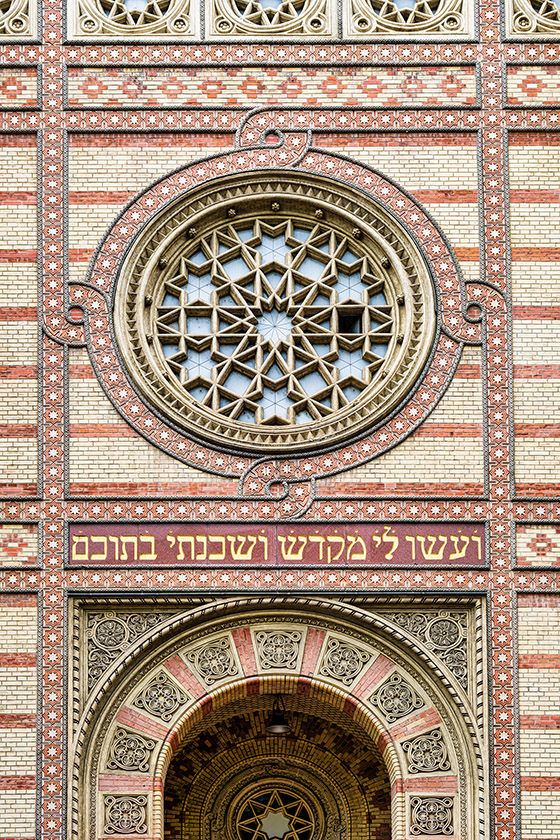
x=278 y=723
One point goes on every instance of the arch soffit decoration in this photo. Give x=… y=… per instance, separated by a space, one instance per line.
x=458 y=321
x=370 y=633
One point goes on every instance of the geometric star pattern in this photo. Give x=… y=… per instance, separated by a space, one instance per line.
x=275 y=815
x=274 y=323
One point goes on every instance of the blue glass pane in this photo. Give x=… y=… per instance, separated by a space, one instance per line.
x=246 y=234
x=170 y=350
x=301 y=233
x=379 y=349
x=349 y=257
x=275 y=402
x=199 y=325
x=237 y=382
x=198 y=258
x=274 y=278
x=236 y=268
x=274 y=326
x=311 y=268
x=378 y=300
x=199 y=364
x=170 y=300
x=312 y=382
x=274 y=248
x=351 y=363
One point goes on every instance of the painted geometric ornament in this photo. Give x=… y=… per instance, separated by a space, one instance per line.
x=258 y=308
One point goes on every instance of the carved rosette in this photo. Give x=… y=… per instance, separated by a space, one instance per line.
x=130 y=751
x=286 y=17
x=278 y=648
x=427 y=753
x=444 y=634
x=395 y=698
x=125 y=815
x=161 y=697
x=431 y=815
x=343 y=662
x=214 y=661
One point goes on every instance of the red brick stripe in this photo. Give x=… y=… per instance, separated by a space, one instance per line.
x=28 y=488
x=539 y=660
x=17 y=782
x=159 y=140
x=18 y=430
x=531 y=600
x=548 y=722
x=528 y=490
x=393 y=138
x=12 y=255
x=537 y=313
x=534 y=196
x=330 y=489
x=18 y=313
x=534 y=138
x=18 y=372
x=18 y=721
x=537 y=371
x=540 y=782
x=18 y=660
x=129 y=488
x=18 y=198
x=537 y=430
x=100 y=197
x=18 y=141
x=18 y=600
x=463 y=430
x=535 y=254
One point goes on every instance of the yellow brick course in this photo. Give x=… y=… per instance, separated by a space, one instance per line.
x=536 y=401
x=536 y=342
x=539 y=630
x=540 y=752
x=539 y=689
x=540 y=814
x=535 y=283
x=537 y=460
x=18 y=343
x=18 y=752
x=18 y=284
x=18 y=227
x=18 y=398
x=18 y=546
x=18 y=690
x=532 y=165
x=18 y=629
x=534 y=225
x=18 y=169
x=17 y=813
x=18 y=460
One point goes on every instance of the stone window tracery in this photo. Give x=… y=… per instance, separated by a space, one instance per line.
x=533 y=18
x=272 y=17
x=275 y=315
x=409 y=17
x=133 y=18
x=17 y=18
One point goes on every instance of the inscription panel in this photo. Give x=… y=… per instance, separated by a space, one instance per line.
x=302 y=544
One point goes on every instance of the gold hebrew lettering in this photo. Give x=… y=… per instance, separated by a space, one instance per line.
x=100 y=555
x=240 y=553
x=341 y=542
x=390 y=538
x=171 y=540
x=479 y=542
x=412 y=542
x=201 y=555
x=264 y=540
x=115 y=541
x=377 y=540
x=182 y=539
x=218 y=555
x=289 y=553
x=148 y=555
x=124 y=541
x=430 y=554
x=315 y=538
x=83 y=555
x=356 y=542
x=459 y=552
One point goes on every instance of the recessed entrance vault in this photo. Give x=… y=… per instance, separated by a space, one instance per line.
x=171 y=738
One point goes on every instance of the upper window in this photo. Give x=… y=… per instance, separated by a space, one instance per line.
x=275 y=311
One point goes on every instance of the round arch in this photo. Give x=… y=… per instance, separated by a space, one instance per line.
x=359 y=668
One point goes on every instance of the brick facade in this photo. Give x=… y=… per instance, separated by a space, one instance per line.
x=455 y=137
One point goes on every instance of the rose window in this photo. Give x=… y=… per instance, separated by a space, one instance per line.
x=272 y=318
x=275 y=813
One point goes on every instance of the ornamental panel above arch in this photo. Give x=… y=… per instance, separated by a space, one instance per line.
x=276 y=313
x=187 y=673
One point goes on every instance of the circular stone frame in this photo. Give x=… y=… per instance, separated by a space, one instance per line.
x=272 y=197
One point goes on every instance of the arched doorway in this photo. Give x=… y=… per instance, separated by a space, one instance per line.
x=172 y=740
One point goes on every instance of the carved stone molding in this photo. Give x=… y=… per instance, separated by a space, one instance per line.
x=110 y=633
x=278 y=648
x=533 y=18
x=129 y=751
x=431 y=815
x=119 y=19
x=125 y=815
x=378 y=18
x=214 y=661
x=396 y=698
x=342 y=661
x=427 y=753
x=444 y=634
x=302 y=18
x=17 y=18
x=161 y=697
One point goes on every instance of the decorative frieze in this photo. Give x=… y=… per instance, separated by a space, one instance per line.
x=427 y=753
x=431 y=815
x=278 y=648
x=130 y=751
x=125 y=815
x=161 y=697
x=342 y=661
x=214 y=661
x=395 y=698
